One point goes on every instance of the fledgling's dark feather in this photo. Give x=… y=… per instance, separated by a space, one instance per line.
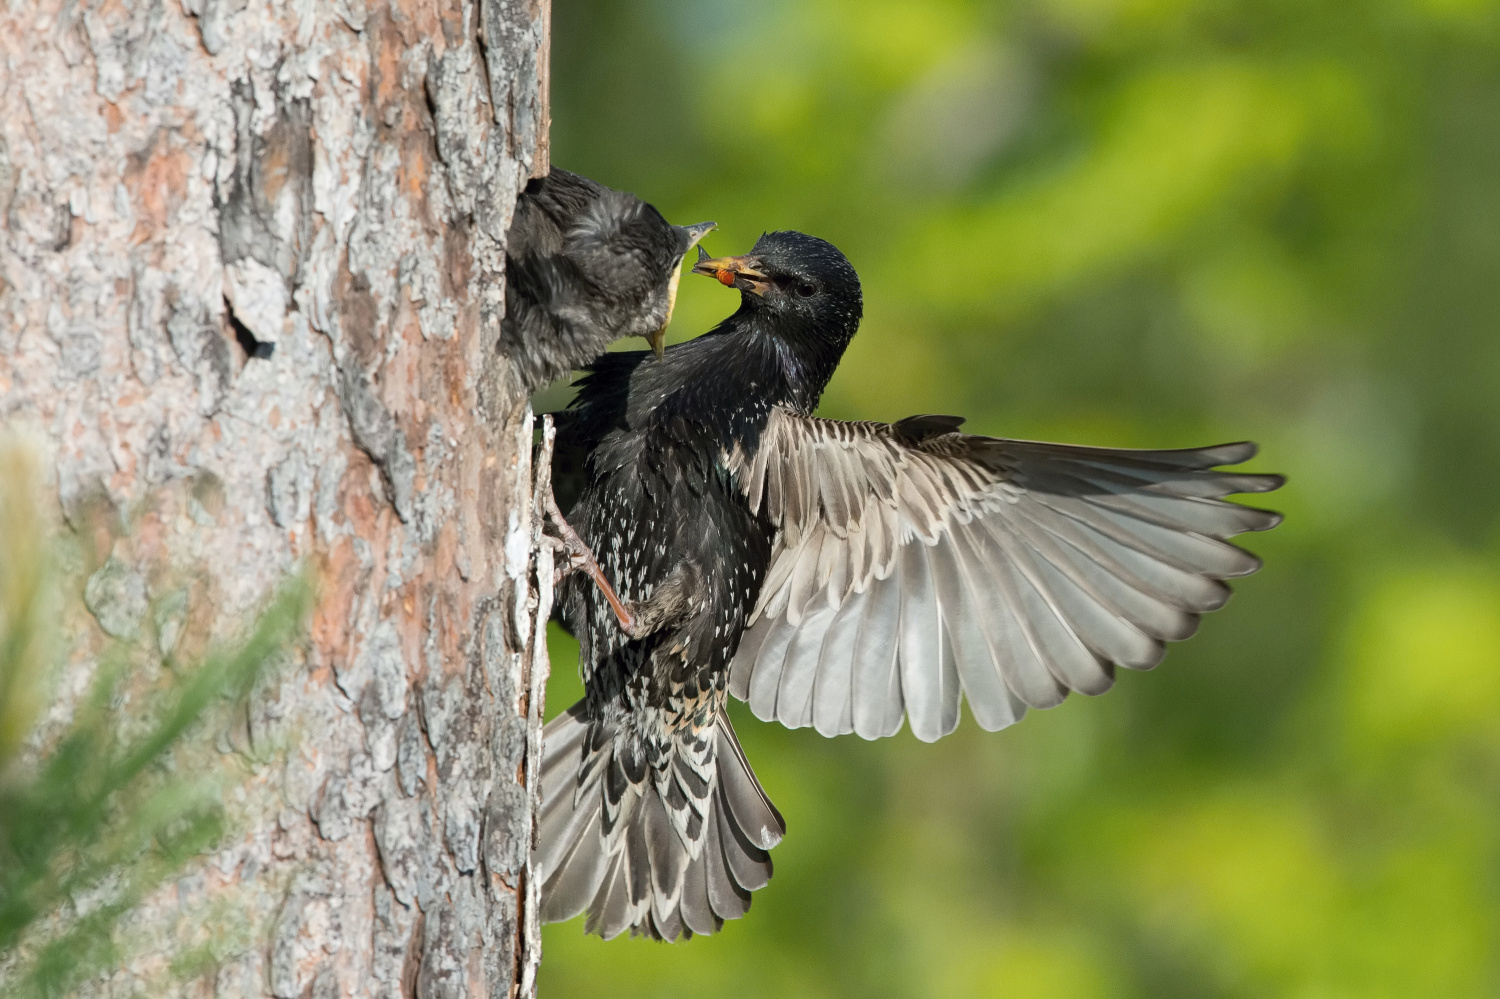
x=584 y=266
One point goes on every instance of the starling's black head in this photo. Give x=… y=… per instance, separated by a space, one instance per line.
x=795 y=286
x=800 y=306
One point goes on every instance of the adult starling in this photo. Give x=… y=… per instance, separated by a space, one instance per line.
x=839 y=575
x=584 y=266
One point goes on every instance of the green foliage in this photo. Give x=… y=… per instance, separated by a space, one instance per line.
x=1139 y=223
x=114 y=803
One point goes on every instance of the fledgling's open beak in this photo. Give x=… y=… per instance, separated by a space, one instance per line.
x=658 y=338
x=697 y=231
x=733 y=272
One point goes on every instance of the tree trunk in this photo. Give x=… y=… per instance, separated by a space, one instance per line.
x=251 y=294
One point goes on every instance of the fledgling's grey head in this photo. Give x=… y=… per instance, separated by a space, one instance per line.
x=634 y=256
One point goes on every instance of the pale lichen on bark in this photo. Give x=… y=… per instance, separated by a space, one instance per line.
x=251 y=284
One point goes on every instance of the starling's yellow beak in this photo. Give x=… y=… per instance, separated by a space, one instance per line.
x=733 y=272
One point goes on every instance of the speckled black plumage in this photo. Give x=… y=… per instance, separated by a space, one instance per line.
x=850 y=577
x=585 y=265
x=660 y=505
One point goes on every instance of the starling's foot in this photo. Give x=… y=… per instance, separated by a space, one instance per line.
x=580 y=556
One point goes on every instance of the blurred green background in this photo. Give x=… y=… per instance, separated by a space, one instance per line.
x=1144 y=223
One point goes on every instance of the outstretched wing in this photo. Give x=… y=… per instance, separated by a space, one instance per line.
x=913 y=562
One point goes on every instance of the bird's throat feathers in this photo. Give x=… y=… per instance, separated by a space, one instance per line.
x=730 y=378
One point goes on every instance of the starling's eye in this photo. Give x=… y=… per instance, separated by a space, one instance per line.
x=807 y=290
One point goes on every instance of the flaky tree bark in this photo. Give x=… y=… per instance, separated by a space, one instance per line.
x=251 y=287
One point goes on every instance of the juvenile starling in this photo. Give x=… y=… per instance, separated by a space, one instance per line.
x=584 y=266
x=839 y=575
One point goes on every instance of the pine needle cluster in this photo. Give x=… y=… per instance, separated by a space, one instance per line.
x=95 y=811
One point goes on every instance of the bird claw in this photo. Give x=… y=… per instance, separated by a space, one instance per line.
x=578 y=556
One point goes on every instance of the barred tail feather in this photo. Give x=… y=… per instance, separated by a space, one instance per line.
x=628 y=865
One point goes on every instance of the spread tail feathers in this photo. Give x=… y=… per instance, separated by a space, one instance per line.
x=664 y=850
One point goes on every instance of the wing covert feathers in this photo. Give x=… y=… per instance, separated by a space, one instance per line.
x=914 y=563
x=628 y=865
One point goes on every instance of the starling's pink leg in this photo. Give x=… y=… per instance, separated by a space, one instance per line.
x=581 y=557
